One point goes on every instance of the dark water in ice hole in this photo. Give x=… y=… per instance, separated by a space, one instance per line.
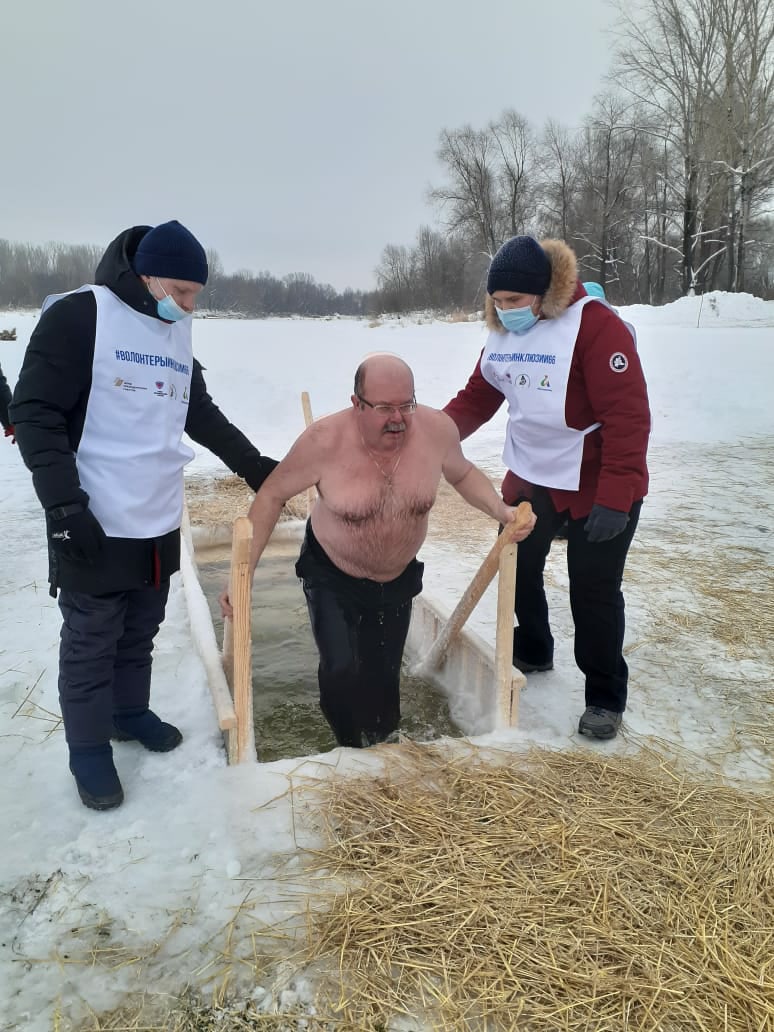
x=288 y=721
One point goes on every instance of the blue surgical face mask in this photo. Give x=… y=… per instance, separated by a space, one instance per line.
x=168 y=308
x=517 y=320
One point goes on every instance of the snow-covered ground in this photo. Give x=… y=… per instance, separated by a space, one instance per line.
x=93 y=905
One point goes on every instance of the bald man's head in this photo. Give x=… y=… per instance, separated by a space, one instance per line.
x=382 y=368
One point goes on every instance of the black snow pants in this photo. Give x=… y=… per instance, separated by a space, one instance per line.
x=595 y=572
x=105 y=658
x=360 y=627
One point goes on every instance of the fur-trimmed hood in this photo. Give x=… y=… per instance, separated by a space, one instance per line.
x=561 y=289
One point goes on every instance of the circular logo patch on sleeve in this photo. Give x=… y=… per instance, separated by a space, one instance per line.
x=619 y=363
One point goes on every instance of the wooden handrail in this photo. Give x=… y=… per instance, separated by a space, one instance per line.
x=507 y=699
x=481 y=581
x=237 y=640
x=311 y=492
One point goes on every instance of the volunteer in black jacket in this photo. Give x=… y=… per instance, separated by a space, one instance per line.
x=107 y=388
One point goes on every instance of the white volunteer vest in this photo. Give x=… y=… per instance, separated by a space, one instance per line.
x=130 y=458
x=532 y=371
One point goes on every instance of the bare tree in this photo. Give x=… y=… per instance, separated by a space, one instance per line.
x=606 y=185
x=470 y=198
x=558 y=180
x=514 y=143
x=658 y=213
x=428 y=263
x=395 y=276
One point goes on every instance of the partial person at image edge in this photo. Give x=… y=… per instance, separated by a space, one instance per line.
x=576 y=447
x=107 y=388
x=5 y=401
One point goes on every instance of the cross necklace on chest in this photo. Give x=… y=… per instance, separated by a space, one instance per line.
x=388 y=477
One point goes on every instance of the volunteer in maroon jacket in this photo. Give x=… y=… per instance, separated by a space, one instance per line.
x=575 y=446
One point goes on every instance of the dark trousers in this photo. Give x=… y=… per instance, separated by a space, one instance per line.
x=361 y=651
x=360 y=627
x=595 y=573
x=105 y=658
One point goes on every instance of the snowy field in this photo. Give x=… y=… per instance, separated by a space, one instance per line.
x=97 y=905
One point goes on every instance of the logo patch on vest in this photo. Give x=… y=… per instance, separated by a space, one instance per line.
x=619 y=363
x=126 y=385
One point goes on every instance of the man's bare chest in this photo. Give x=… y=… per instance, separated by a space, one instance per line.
x=400 y=486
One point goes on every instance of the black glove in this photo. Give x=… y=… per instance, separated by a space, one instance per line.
x=604 y=524
x=256 y=475
x=75 y=533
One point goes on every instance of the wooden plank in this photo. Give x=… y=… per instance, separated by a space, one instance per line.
x=506 y=590
x=228 y=651
x=517 y=683
x=240 y=592
x=231 y=746
x=476 y=588
x=306 y=405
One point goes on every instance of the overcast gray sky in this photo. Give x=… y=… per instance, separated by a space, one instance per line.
x=291 y=137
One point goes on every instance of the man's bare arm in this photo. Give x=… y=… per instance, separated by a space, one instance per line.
x=475 y=486
x=294 y=474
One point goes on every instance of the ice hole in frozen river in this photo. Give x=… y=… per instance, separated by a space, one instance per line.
x=455 y=701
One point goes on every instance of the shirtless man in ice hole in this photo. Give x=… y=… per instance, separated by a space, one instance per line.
x=376 y=467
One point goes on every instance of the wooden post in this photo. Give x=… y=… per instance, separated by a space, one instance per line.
x=306 y=405
x=237 y=639
x=507 y=700
x=475 y=590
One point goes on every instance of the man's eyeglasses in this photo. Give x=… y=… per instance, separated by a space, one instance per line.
x=383 y=408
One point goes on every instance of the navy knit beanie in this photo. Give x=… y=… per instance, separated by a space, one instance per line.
x=173 y=252
x=521 y=265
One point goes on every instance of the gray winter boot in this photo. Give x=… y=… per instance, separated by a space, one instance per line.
x=599 y=723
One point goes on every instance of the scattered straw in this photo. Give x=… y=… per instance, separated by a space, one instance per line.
x=552 y=891
x=215 y=500
x=455 y=523
x=713 y=610
x=727 y=596
x=481 y=891
x=193 y=1014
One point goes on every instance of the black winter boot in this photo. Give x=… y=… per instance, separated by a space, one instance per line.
x=147 y=729
x=95 y=776
x=532 y=668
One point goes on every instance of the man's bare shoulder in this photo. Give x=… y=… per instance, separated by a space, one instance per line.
x=436 y=423
x=327 y=432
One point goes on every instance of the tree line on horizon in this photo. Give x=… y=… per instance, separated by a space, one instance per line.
x=665 y=189
x=30 y=272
